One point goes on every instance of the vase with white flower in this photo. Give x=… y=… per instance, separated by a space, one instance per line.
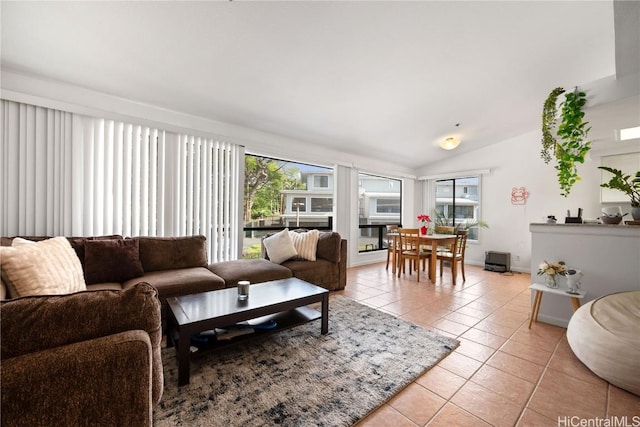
x=425 y=220
x=552 y=270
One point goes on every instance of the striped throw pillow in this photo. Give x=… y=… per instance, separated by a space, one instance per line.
x=306 y=244
x=48 y=267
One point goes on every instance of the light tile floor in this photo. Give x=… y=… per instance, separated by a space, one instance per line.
x=502 y=374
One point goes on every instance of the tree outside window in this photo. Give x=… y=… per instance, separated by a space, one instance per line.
x=279 y=194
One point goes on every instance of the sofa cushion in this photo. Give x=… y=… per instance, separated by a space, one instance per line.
x=306 y=243
x=253 y=270
x=111 y=261
x=182 y=281
x=279 y=246
x=106 y=286
x=329 y=246
x=169 y=253
x=48 y=267
x=321 y=273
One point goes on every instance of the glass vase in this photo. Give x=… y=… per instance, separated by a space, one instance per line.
x=423 y=230
x=551 y=281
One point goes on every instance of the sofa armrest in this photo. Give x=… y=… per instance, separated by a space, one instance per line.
x=103 y=381
x=32 y=324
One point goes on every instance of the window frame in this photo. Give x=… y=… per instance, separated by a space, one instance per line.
x=377 y=225
x=288 y=216
x=474 y=232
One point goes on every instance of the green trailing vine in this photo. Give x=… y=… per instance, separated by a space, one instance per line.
x=572 y=145
x=549 y=114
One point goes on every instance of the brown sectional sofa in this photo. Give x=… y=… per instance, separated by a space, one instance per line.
x=178 y=265
x=102 y=345
x=87 y=358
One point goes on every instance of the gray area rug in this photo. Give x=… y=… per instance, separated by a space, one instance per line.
x=298 y=377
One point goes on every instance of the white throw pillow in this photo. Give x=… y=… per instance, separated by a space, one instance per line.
x=280 y=247
x=19 y=241
x=48 y=267
x=306 y=244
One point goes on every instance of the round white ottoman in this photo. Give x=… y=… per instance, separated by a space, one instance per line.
x=605 y=335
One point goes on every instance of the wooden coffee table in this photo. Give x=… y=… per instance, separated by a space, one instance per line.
x=283 y=300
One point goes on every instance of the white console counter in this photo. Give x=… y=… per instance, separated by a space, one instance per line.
x=608 y=255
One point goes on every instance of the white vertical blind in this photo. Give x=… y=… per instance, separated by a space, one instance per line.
x=67 y=174
x=36 y=170
x=208 y=195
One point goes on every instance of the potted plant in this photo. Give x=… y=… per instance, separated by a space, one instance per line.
x=443 y=221
x=571 y=145
x=628 y=185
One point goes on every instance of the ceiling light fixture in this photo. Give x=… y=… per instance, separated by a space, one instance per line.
x=449 y=143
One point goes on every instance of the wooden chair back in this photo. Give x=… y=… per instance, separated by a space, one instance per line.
x=409 y=238
x=461 y=243
x=444 y=229
x=455 y=255
x=389 y=236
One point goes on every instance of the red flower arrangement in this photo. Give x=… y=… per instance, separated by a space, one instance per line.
x=425 y=219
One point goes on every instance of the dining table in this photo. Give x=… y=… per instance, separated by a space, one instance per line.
x=433 y=240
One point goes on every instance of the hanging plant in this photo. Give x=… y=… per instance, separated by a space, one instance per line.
x=571 y=146
x=549 y=115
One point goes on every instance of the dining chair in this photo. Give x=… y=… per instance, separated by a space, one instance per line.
x=455 y=256
x=392 y=243
x=444 y=229
x=410 y=250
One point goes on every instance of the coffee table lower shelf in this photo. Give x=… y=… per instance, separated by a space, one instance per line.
x=284 y=320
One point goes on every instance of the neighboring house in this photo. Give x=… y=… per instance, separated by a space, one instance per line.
x=466 y=198
x=312 y=207
x=379 y=200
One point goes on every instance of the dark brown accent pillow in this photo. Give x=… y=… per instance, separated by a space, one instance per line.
x=77 y=243
x=111 y=261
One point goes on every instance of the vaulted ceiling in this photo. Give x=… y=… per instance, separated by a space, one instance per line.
x=381 y=79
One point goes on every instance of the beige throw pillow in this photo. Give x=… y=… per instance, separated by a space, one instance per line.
x=306 y=244
x=48 y=267
x=19 y=241
x=280 y=247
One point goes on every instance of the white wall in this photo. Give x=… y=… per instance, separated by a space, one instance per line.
x=516 y=163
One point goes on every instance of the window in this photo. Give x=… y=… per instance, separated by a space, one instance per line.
x=320 y=181
x=279 y=194
x=379 y=205
x=324 y=204
x=457 y=202
x=387 y=206
x=299 y=204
